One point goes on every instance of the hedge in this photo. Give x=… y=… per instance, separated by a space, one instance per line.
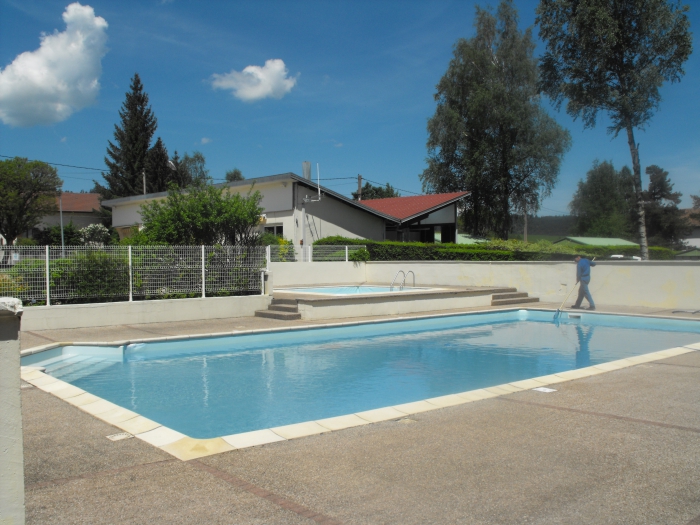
x=497 y=250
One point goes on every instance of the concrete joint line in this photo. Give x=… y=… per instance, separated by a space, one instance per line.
x=671 y=364
x=98 y=474
x=602 y=414
x=41 y=337
x=264 y=494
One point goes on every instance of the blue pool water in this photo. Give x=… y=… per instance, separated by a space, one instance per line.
x=215 y=387
x=351 y=290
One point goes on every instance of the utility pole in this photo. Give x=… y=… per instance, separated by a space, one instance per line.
x=525 y=222
x=359 y=187
x=144 y=182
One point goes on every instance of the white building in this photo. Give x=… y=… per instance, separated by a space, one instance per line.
x=293 y=209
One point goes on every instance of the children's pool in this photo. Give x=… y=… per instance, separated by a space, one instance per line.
x=353 y=290
x=221 y=386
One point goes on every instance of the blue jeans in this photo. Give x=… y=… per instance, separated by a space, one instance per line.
x=584 y=292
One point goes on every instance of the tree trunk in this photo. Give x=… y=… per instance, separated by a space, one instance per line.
x=638 y=191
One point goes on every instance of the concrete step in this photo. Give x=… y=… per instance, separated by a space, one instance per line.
x=283 y=307
x=512 y=295
x=282 y=316
x=519 y=300
x=284 y=301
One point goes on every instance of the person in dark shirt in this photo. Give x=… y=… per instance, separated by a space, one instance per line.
x=583 y=276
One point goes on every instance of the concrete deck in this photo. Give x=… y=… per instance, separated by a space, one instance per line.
x=618 y=447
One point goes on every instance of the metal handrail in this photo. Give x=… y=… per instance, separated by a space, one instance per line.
x=391 y=288
x=405 y=276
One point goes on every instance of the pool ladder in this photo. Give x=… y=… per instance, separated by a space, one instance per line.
x=405 y=275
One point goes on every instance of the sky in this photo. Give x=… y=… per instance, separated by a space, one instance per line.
x=262 y=86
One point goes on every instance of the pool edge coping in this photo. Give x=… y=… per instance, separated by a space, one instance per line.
x=185 y=448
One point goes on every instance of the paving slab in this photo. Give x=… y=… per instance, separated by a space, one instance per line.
x=619 y=447
x=61 y=441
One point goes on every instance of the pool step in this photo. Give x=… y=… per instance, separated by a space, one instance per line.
x=515 y=297
x=281 y=309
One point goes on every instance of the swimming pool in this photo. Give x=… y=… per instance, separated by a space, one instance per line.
x=228 y=385
x=353 y=290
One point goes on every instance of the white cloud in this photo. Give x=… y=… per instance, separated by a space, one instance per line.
x=338 y=144
x=62 y=76
x=206 y=140
x=254 y=83
x=64 y=139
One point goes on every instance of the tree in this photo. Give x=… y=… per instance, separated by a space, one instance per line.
x=603 y=205
x=194 y=168
x=234 y=175
x=203 y=215
x=490 y=135
x=370 y=192
x=52 y=236
x=612 y=56
x=665 y=222
x=28 y=191
x=127 y=157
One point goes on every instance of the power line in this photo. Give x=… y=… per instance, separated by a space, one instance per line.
x=57 y=164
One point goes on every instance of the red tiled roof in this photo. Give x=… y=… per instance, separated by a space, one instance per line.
x=405 y=207
x=80 y=202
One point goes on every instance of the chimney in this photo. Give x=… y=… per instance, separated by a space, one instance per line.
x=306 y=169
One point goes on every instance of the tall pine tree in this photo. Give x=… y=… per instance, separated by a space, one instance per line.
x=127 y=157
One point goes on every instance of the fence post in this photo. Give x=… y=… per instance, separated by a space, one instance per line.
x=204 y=293
x=48 y=279
x=268 y=252
x=311 y=254
x=346 y=254
x=262 y=283
x=131 y=278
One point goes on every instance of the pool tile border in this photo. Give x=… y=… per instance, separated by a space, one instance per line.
x=186 y=448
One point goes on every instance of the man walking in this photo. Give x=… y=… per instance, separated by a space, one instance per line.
x=583 y=276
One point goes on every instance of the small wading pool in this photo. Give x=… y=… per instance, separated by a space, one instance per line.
x=354 y=290
x=220 y=386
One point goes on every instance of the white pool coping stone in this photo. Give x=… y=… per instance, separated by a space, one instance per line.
x=184 y=447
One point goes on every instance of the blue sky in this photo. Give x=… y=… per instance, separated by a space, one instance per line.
x=353 y=91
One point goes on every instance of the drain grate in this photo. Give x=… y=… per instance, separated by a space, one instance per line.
x=120 y=436
x=544 y=389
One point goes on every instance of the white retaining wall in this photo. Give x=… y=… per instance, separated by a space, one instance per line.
x=317 y=273
x=656 y=284
x=108 y=314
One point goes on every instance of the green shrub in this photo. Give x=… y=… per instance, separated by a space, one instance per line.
x=494 y=250
x=361 y=255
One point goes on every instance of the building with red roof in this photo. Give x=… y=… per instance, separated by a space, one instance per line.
x=424 y=218
x=300 y=210
x=82 y=209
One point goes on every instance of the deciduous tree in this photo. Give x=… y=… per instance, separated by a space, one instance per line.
x=603 y=205
x=490 y=135
x=203 y=214
x=612 y=56
x=28 y=191
x=666 y=224
x=234 y=175
x=370 y=192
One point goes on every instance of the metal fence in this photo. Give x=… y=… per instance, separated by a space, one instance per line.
x=46 y=274
x=292 y=253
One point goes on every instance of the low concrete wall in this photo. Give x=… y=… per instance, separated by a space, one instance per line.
x=109 y=314
x=11 y=447
x=387 y=305
x=656 y=284
x=317 y=273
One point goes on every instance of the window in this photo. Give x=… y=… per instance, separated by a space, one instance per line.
x=275 y=230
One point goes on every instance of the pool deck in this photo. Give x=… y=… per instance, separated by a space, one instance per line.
x=618 y=447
